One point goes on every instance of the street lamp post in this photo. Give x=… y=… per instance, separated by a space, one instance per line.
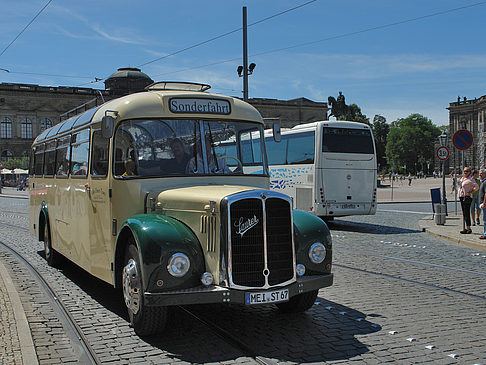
x=443 y=139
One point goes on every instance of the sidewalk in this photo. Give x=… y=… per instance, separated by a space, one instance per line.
x=419 y=192
x=8 y=192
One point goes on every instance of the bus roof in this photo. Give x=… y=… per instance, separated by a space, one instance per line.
x=161 y=100
x=332 y=123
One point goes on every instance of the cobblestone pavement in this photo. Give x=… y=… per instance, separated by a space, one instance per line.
x=400 y=296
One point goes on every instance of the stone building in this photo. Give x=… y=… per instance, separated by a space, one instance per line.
x=26 y=110
x=469 y=115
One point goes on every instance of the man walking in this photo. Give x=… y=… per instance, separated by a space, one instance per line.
x=482 y=197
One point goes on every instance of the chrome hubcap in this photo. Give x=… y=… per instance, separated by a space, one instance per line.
x=131 y=286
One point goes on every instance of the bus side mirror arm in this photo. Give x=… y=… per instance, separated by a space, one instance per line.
x=277 y=135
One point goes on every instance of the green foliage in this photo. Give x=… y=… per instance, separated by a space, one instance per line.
x=380 y=132
x=354 y=115
x=16 y=163
x=410 y=143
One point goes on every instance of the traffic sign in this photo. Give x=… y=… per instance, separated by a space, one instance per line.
x=462 y=139
x=442 y=153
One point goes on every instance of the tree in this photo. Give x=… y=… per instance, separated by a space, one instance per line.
x=16 y=163
x=380 y=132
x=410 y=142
x=355 y=115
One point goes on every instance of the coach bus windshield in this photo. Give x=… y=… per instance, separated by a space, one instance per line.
x=347 y=140
x=169 y=147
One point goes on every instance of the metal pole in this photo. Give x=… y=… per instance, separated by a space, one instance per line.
x=454 y=181
x=463 y=167
x=245 y=57
x=444 y=197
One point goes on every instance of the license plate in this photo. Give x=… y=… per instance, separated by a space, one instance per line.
x=266 y=297
x=348 y=206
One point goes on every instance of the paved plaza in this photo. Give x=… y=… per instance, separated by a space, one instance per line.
x=400 y=296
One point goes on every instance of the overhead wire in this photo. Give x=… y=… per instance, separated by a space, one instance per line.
x=225 y=34
x=23 y=30
x=333 y=37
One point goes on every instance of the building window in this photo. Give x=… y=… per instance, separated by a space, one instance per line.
x=6 y=155
x=26 y=129
x=6 y=128
x=45 y=123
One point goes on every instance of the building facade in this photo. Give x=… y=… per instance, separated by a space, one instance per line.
x=26 y=110
x=469 y=115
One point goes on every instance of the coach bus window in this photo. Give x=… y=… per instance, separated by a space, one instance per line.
x=50 y=156
x=39 y=160
x=62 y=156
x=301 y=149
x=250 y=148
x=80 y=153
x=276 y=151
x=345 y=140
x=99 y=155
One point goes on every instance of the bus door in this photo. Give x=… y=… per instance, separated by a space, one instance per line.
x=100 y=222
x=79 y=202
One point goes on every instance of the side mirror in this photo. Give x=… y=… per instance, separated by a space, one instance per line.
x=277 y=135
x=107 y=124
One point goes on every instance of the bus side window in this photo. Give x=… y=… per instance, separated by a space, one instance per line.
x=301 y=149
x=62 y=156
x=39 y=160
x=276 y=151
x=99 y=155
x=50 y=159
x=80 y=154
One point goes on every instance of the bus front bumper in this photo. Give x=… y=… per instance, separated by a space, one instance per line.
x=219 y=294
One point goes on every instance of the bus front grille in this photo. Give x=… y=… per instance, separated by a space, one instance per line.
x=261 y=247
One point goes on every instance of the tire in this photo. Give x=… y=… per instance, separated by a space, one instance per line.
x=52 y=257
x=299 y=303
x=146 y=321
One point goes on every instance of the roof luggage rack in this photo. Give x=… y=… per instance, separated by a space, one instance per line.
x=178 y=85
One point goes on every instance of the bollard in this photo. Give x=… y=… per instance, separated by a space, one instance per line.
x=439 y=215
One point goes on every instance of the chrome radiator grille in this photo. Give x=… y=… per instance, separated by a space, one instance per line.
x=261 y=250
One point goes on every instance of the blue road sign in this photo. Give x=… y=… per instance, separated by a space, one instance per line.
x=462 y=139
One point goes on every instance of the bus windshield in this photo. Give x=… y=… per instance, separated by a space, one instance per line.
x=174 y=147
x=347 y=140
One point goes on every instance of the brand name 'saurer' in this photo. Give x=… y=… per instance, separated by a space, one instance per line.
x=244 y=225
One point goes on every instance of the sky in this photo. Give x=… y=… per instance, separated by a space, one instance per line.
x=390 y=57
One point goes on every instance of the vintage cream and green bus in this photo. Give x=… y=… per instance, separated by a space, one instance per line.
x=145 y=193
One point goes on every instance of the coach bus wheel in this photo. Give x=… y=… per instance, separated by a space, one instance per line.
x=145 y=320
x=299 y=303
x=52 y=257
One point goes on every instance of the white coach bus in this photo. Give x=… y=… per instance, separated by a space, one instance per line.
x=328 y=168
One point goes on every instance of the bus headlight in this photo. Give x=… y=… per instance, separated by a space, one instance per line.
x=179 y=265
x=317 y=253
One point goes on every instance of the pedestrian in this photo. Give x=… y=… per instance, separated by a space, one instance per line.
x=482 y=199
x=409 y=179
x=475 y=212
x=467 y=186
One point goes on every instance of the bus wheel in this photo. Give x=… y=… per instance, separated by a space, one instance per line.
x=145 y=320
x=52 y=257
x=299 y=303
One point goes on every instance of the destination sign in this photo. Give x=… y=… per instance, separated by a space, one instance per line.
x=206 y=106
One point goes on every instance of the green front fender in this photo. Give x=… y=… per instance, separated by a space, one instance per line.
x=309 y=229
x=158 y=238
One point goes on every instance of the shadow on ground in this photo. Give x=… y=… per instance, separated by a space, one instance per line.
x=328 y=331
x=348 y=226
